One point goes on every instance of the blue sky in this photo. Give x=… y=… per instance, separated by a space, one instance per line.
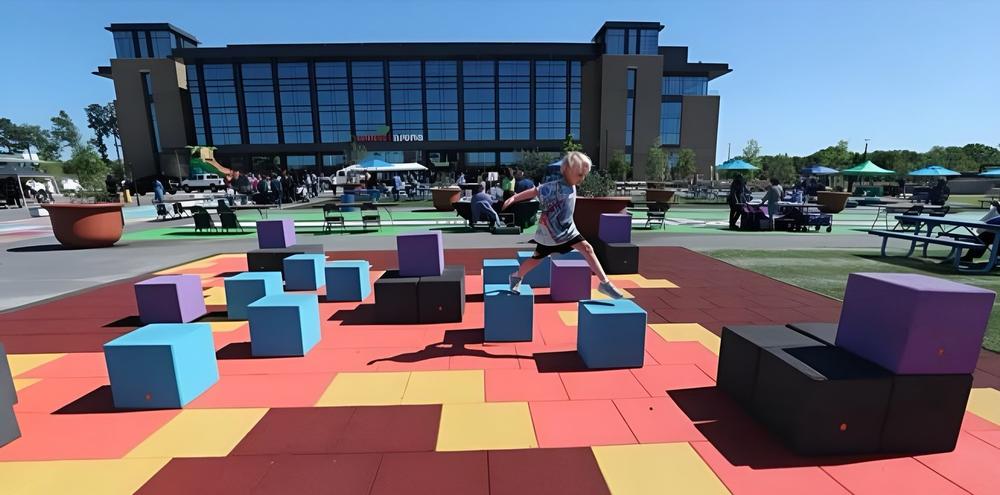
x=906 y=74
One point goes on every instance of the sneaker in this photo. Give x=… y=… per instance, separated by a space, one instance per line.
x=515 y=283
x=609 y=290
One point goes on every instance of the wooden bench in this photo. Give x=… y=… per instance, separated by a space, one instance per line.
x=956 y=244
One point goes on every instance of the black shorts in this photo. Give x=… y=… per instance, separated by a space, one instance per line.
x=541 y=250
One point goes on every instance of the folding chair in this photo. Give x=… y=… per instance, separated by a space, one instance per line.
x=914 y=210
x=656 y=215
x=370 y=216
x=229 y=221
x=178 y=209
x=161 y=211
x=202 y=220
x=332 y=217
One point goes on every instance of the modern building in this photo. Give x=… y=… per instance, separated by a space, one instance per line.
x=461 y=105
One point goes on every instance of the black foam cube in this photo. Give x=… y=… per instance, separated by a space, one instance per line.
x=442 y=298
x=273 y=259
x=396 y=298
x=9 y=431
x=739 y=354
x=617 y=258
x=823 y=332
x=8 y=395
x=822 y=400
x=925 y=413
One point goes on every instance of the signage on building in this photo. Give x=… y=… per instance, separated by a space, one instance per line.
x=383 y=135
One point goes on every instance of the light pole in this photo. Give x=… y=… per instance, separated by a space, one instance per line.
x=865 y=156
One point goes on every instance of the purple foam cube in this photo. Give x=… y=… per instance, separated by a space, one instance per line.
x=914 y=324
x=170 y=299
x=615 y=228
x=570 y=280
x=276 y=233
x=420 y=254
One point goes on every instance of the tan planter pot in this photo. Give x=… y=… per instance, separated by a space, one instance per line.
x=587 y=215
x=86 y=225
x=444 y=197
x=832 y=201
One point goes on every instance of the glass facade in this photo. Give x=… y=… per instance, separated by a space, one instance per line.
x=148 y=44
x=670 y=123
x=515 y=99
x=223 y=113
x=441 y=95
x=147 y=89
x=296 y=103
x=649 y=40
x=481 y=159
x=258 y=97
x=163 y=43
x=406 y=97
x=479 y=93
x=197 y=112
x=144 y=49
x=631 y=41
x=550 y=99
x=575 y=86
x=124 y=44
x=301 y=162
x=629 y=110
x=369 y=97
x=614 y=41
x=684 y=85
x=333 y=102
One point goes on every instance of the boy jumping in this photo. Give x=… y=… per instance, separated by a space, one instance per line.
x=556 y=231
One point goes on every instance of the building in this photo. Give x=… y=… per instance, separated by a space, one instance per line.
x=301 y=106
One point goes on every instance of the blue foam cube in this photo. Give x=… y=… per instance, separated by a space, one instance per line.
x=305 y=271
x=247 y=287
x=163 y=365
x=348 y=280
x=611 y=333
x=509 y=317
x=540 y=275
x=284 y=325
x=497 y=271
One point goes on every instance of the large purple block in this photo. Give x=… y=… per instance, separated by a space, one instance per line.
x=570 y=280
x=170 y=299
x=420 y=254
x=615 y=228
x=276 y=233
x=914 y=324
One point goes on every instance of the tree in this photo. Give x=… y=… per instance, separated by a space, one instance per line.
x=8 y=135
x=751 y=152
x=88 y=166
x=781 y=167
x=982 y=154
x=570 y=145
x=656 y=162
x=533 y=163
x=17 y=138
x=833 y=156
x=103 y=121
x=64 y=131
x=618 y=166
x=685 y=166
x=356 y=153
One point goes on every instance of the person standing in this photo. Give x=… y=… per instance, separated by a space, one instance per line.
x=736 y=197
x=112 y=186
x=397 y=185
x=772 y=197
x=523 y=183
x=157 y=191
x=507 y=184
x=276 y=190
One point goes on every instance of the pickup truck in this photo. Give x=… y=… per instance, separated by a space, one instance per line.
x=200 y=182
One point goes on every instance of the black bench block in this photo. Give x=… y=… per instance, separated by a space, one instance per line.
x=9 y=431
x=442 y=298
x=273 y=259
x=822 y=400
x=823 y=332
x=925 y=413
x=8 y=395
x=396 y=298
x=739 y=354
x=617 y=258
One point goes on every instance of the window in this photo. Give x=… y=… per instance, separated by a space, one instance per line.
x=124 y=44
x=143 y=45
x=223 y=114
x=441 y=94
x=197 y=112
x=629 y=111
x=301 y=161
x=685 y=85
x=670 y=123
x=405 y=96
x=162 y=43
x=574 y=99
x=515 y=100
x=296 y=103
x=648 y=42
x=258 y=97
x=369 y=97
x=481 y=159
x=333 y=162
x=332 y=100
x=147 y=89
x=550 y=99
x=614 y=41
x=509 y=158
x=479 y=91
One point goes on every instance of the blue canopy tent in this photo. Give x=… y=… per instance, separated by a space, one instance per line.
x=934 y=171
x=993 y=172
x=817 y=169
x=374 y=163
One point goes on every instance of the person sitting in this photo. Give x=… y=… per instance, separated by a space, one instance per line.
x=523 y=183
x=482 y=209
x=939 y=194
x=987 y=237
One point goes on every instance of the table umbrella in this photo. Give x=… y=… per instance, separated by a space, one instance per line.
x=867 y=168
x=733 y=165
x=993 y=172
x=934 y=171
x=817 y=169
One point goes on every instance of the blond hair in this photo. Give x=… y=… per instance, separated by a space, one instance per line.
x=576 y=161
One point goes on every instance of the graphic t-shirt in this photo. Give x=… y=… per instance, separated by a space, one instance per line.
x=556 y=202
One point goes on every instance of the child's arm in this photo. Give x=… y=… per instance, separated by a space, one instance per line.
x=521 y=196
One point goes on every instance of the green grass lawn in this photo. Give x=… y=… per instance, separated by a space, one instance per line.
x=826 y=271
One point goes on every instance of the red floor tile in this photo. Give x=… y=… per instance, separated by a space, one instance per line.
x=685 y=315
x=611 y=384
x=458 y=473
x=215 y=475
x=658 y=379
x=486 y=356
x=770 y=481
x=545 y=471
x=899 y=475
x=991 y=437
x=307 y=430
x=239 y=362
x=523 y=385
x=972 y=422
x=51 y=394
x=290 y=390
x=683 y=353
x=349 y=474
x=972 y=465
x=579 y=423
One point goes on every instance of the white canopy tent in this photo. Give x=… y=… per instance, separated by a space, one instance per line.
x=387 y=168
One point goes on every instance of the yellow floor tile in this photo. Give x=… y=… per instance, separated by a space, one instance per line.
x=594 y=294
x=21 y=363
x=656 y=468
x=569 y=318
x=111 y=477
x=656 y=283
x=486 y=426
x=227 y=326
x=681 y=332
x=445 y=387
x=215 y=296
x=200 y=433
x=365 y=389
x=23 y=383
x=985 y=403
x=634 y=277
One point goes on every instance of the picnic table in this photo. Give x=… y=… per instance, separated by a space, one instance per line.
x=261 y=209
x=897 y=208
x=950 y=232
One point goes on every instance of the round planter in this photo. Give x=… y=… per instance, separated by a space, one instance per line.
x=587 y=215
x=444 y=197
x=86 y=225
x=659 y=195
x=832 y=201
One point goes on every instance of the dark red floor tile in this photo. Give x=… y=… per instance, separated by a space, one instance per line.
x=391 y=429
x=685 y=315
x=208 y=475
x=545 y=471
x=346 y=474
x=296 y=430
x=433 y=473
